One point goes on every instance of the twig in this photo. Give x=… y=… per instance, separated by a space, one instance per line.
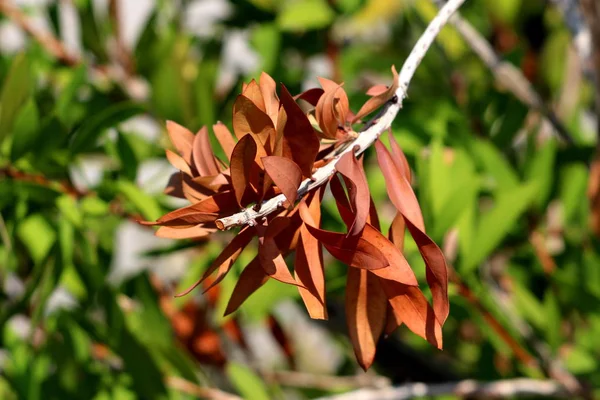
x=192 y=389
x=46 y=39
x=41 y=180
x=501 y=389
x=510 y=77
x=325 y=382
x=366 y=137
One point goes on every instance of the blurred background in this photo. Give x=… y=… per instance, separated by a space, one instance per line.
x=499 y=128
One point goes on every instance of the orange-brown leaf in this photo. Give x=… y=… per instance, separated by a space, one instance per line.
x=311 y=96
x=377 y=101
x=242 y=163
x=225 y=260
x=225 y=138
x=191 y=232
x=269 y=254
x=268 y=89
x=411 y=307
x=251 y=279
x=253 y=92
x=358 y=189
x=309 y=271
x=366 y=307
x=249 y=119
x=178 y=162
x=286 y=174
x=182 y=138
x=332 y=108
x=355 y=252
x=203 y=156
x=299 y=140
x=399 y=157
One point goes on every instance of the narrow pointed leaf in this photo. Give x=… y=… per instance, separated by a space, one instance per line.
x=358 y=189
x=309 y=271
x=178 y=162
x=251 y=279
x=203 y=156
x=286 y=174
x=366 y=308
x=377 y=101
x=242 y=160
x=182 y=138
x=225 y=138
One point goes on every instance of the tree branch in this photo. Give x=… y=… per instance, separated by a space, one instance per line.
x=501 y=389
x=510 y=77
x=367 y=136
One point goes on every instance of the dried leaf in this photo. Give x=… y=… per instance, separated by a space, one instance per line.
x=203 y=156
x=397 y=231
x=399 y=157
x=286 y=174
x=251 y=279
x=178 y=162
x=311 y=96
x=225 y=260
x=411 y=307
x=366 y=307
x=309 y=271
x=242 y=161
x=249 y=119
x=182 y=138
x=355 y=252
x=299 y=140
x=252 y=91
x=332 y=108
x=377 y=101
x=192 y=232
x=225 y=138
x=269 y=254
x=358 y=189
x=268 y=89
x=376 y=90
x=403 y=197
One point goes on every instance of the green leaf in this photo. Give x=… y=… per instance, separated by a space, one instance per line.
x=502 y=174
x=70 y=209
x=129 y=162
x=301 y=15
x=496 y=223
x=85 y=138
x=247 y=383
x=143 y=202
x=579 y=361
x=26 y=130
x=37 y=235
x=67 y=96
x=573 y=190
x=16 y=89
x=541 y=171
x=266 y=40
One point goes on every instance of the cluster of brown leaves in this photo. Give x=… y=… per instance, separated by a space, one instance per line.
x=278 y=145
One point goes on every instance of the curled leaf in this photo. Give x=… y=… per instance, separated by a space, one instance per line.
x=358 y=189
x=379 y=100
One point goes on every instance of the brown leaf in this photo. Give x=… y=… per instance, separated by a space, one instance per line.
x=183 y=140
x=399 y=190
x=225 y=138
x=376 y=90
x=358 y=189
x=377 y=101
x=203 y=156
x=219 y=203
x=311 y=96
x=242 y=163
x=403 y=197
x=269 y=254
x=309 y=271
x=251 y=279
x=286 y=174
x=268 y=89
x=355 y=252
x=174 y=186
x=411 y=307
x=253 y=92
x=225 y=260
x=249 y=119
x=332 y=108
x=397 y=231
x=366 y=307
x=399 y=157
x=178 y=162
x=299 y=140
x=192 y=232
x=392 y=323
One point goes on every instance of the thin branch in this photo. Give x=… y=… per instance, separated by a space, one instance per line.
x=501 y=389
x=192 y=389
x=325 y=382
x=510 y=77
x=366 y=137
x=45 y=39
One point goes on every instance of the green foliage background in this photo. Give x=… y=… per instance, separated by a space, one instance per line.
x=489 y=176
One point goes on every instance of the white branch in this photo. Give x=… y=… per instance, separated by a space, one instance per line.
x=519 y=388
x=368 y=136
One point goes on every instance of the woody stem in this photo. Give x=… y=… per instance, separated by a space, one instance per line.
x=367 y=136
